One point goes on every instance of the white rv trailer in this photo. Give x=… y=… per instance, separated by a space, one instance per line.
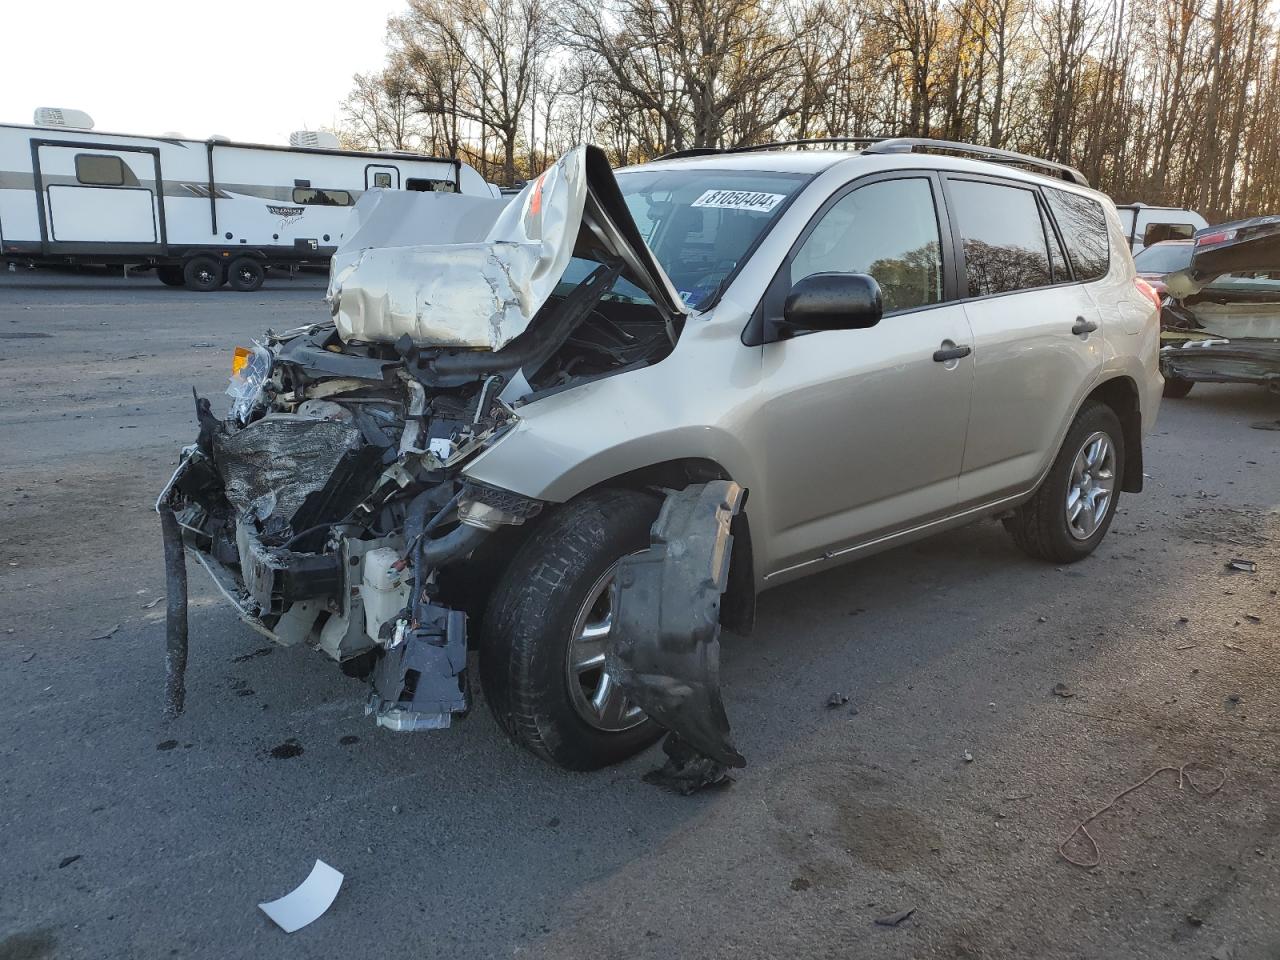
x=200 y=212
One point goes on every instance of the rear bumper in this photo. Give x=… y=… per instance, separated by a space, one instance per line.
x=1224 y=361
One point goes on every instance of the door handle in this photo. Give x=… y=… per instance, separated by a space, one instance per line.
x=951 y=353
x=1083 y=327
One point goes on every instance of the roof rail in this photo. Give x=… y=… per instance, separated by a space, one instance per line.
x=774 y=145
x=991 y=154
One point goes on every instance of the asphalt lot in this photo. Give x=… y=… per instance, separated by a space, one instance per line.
x=459 y=844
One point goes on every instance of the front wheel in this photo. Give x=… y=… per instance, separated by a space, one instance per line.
x=1069 y=515
x=545 y=631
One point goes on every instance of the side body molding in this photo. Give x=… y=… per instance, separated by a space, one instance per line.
x=665 y=649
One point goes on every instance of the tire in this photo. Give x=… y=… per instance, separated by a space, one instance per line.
x=203 y=274
x=245 y=274
x=1040 y=527
x=170 y=276
x=1175 y=388
x=532 y=616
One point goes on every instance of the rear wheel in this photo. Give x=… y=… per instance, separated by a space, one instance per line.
x=1175 y=388
x=170 y=276
x=203 y=274
x=545 y=631
x=1072 y=511
x=245 y=274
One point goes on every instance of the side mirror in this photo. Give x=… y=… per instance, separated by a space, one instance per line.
x=834 y=301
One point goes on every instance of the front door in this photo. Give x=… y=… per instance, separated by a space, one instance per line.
x=95 y=197
x=866 y=428
x=1036 y=335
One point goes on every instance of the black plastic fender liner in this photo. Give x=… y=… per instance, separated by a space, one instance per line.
x=665 y=646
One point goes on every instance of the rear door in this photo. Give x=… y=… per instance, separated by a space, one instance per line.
x=1036 y=334
x=95 y=196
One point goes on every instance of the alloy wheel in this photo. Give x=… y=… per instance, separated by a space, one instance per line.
x=1091 y=486
x=597 y=699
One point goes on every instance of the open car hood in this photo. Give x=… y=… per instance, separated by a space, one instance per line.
x=451 y=270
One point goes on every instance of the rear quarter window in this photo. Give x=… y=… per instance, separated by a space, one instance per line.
x=1083 y=225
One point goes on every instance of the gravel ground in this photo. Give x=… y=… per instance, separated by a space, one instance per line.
x=124 y=836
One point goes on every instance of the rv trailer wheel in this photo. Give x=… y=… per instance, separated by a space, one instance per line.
x=203 y=274
x=170 y=276
x=245 y=274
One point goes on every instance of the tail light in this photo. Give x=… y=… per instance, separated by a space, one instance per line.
x=1150 y=292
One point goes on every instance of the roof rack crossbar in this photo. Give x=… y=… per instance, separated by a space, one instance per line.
x=991 y=154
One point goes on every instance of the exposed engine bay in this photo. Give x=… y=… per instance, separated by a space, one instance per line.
x=330 y=506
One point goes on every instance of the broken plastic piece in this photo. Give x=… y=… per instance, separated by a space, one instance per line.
x=1248 y=566
x=664 y=650
x=687 y=770
x=307 y=901
x=419 y=684
x=893 y=919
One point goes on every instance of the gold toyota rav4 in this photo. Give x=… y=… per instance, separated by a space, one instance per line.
x=577 y=431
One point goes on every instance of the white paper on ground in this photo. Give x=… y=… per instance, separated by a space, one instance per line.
x=307 y=901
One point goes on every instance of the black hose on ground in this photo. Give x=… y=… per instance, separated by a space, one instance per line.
x=175 y=638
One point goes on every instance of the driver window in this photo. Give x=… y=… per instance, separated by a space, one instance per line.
x=887 y=229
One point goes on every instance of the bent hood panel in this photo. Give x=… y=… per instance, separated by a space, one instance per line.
x=476 y=274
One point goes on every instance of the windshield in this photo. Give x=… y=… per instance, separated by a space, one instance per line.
x=1164 y=258
x=701 y=223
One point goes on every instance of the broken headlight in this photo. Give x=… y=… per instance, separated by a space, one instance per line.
x=250 y=371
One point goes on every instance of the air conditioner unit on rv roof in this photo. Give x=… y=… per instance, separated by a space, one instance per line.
x=321 y=139
x=58 y=117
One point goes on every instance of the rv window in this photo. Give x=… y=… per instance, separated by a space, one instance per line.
x=322 y=198
x=428 y=186
x=382 y=180
x=103 y=170
x=1167 y=231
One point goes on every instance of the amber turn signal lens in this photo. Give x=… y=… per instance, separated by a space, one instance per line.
x=240 y=359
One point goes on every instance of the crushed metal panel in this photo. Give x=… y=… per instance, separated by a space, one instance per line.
x=664 y=649
x=479 y=280
x=271 y=466
x=479 y=283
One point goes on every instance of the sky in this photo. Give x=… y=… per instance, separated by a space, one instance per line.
x=251 y=71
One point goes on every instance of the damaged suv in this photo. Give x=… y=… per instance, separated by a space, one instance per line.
x=577 y=432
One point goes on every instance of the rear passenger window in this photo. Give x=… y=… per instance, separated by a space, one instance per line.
x=888 y=230
x=1004 y=238
x=1084 y=228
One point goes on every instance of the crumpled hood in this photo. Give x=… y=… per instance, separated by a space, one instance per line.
x=457 y=271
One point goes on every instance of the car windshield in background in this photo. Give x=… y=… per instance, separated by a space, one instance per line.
x=701 y=223
x=1164 y=258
